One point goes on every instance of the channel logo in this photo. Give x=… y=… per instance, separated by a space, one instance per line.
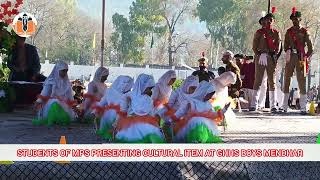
x=24 y=24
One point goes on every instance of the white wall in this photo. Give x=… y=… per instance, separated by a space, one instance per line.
x=76 y=71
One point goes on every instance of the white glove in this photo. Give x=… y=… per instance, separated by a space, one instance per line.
x=288 y=56
x=263 y=59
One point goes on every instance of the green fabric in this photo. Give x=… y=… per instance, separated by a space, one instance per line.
x=56 y=115
x=201 y=134
x=150 y=138
x=39 y=122
x=318 y=139
x=161 y=123
x=104 y=132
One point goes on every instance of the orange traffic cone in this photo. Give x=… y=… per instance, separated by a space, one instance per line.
x=63 y=141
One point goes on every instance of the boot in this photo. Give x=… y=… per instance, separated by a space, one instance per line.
x=284 y=107
x=272 y=101
x=254 y=101
x=303 y=104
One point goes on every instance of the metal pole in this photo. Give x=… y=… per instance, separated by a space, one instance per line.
x=102 y=34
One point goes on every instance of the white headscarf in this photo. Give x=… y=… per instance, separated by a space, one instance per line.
x=119 y=87
x=187 y=83
x=96 y=82
x=182 y=92
x=101 y=71
x=164 y=88
x=142 y=104
x=60 y=86
x=221 y=85
x=197 y=98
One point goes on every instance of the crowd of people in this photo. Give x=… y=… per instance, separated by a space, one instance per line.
x=143 y=110
x=138 y=111
x=257 y=75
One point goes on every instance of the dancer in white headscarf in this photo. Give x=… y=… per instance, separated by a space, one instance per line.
x=109 y=106
x=195 y=122
x=162 y=90
x=141 y=125
x=188 y=87
x=55 y=103
x=176 y=99
x=96 y=89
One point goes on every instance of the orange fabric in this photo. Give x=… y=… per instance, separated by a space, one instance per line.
x=212 y=100
x=126 y=122
x=101 y=110
x=215 y=117
x=91 y=97
x=170 y=111
x=45 y=99
x=157 y=103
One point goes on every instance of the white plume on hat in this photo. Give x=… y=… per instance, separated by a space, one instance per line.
x=228 y=52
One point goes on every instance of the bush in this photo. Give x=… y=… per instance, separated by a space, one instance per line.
x=6 y=101
x=177 y=84
x=4 y=74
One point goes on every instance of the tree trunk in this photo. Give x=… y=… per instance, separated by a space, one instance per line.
x=211 y=51
x=170 y=52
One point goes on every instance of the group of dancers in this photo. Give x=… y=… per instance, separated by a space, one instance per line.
x=140 y=111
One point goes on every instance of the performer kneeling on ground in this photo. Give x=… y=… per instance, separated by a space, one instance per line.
x=195 y=122
x=96 y=89
x=177 y=98
x=162 y=90
x=141 y=125
x=109 y=106
x=56 y=103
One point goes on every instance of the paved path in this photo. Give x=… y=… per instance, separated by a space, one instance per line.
x=246 y=128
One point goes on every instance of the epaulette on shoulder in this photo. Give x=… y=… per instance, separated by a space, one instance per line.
x=304 y=30
x=260 y=31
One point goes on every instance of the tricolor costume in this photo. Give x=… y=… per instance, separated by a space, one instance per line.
x=141 y=125
x=176 y=99
x=162 y=90
x=179 y=96
x=96 y=90
x=56 y=100
x=109 y=106
x=194 y=121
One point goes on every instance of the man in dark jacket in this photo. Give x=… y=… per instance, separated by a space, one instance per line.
x=25 y=63
x=203 y=73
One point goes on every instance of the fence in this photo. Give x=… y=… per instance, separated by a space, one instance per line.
x=165 y=170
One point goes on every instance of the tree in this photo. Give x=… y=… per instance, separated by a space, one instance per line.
x=174 y=12
x=63 y=31
x=225 y=20
x=129 y=38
